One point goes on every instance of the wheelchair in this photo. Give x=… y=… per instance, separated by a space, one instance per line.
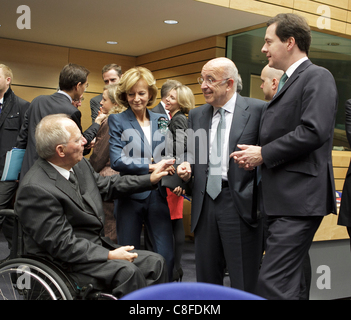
x=26 y=277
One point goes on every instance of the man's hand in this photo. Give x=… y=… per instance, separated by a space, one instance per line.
x=184 y=171
x=123 y=253
x=249 y=158
x=100 y=117
x=161 y=170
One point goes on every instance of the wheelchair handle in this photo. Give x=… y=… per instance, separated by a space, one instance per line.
x=8 y=213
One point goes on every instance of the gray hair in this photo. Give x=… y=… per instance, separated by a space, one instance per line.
x=50 y=132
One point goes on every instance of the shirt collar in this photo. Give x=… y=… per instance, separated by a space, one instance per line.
x=65 y=173
x=294 y=66
x=229 y=106
x=65 y=94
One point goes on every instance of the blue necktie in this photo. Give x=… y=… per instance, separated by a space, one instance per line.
x=214 y=181
x=0 y=107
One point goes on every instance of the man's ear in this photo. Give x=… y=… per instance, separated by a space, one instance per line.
x=275 y=84
x=290 y=43
x=60 y=150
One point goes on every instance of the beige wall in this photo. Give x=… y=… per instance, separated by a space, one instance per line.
x=340 y=10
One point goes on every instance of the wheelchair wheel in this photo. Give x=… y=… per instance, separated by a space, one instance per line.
x=27 y=279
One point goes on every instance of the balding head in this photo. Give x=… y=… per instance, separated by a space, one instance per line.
x=270 y=80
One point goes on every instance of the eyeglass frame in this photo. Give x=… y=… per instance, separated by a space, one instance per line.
x=201 y=80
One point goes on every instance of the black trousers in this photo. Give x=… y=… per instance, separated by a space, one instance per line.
x=223 y=238
x=288 y=243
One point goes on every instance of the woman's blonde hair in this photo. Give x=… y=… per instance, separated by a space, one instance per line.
x=128 y=81
x=112 y=95
x=185 y=98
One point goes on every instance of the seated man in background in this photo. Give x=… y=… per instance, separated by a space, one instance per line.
x=59 y=204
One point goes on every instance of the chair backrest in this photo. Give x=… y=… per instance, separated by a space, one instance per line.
x=189 y=291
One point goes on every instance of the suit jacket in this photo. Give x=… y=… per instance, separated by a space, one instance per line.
x=159 y=109
x=297 y=138
x=345 y=206
x=130 y=151
x=40 y=108
x=95 y=106
x=244 y=130
x=11 y=119
x=56 y=224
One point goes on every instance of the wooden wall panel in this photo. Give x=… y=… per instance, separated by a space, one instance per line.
x=95 y=61
x=184 y=63
x=33 y=64
x=340 y=10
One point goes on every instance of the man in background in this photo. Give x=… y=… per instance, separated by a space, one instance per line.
x=12 y=111
x=111 y=74
x=73 y=82
x=270 y=80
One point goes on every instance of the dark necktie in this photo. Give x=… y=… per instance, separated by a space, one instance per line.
x=0 y=107
x=214 y=181
x=73 y=180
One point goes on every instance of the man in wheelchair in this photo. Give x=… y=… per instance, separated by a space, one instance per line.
x=59 y=204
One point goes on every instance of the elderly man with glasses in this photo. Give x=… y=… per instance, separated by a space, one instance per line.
x=224 y=211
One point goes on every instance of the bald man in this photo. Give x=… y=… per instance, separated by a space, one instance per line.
x=270 y=80
x=223 y=218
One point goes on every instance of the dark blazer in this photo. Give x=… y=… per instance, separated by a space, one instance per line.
x=159 y=109
x=56 y=224
x=40 y=108
x=130 y=151
x=244 y=130
x=95 y=106
x=297 y=138
x=11 y=120
x=345 y=206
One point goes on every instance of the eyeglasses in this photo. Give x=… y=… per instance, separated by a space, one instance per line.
x=210 y=81
x=78 y=100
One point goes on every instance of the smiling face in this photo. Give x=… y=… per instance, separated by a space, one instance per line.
x=221 y=90
x=172 y=104
x=138 y=96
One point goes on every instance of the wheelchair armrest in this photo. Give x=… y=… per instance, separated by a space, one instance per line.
x=8 y=213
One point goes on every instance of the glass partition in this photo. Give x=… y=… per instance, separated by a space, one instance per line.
x=328 y=51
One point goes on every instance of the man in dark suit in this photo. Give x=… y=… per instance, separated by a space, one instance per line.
x=345 y=206
x=73 y=82
x=226 y=225
x=296 y=139
x=111 y=74
x=59 y=204
x=12 y=111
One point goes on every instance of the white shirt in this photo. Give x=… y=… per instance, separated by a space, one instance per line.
x=65 y=94
x=294 y=66
x=147 y=133
x=65 y=173
x=229 y=108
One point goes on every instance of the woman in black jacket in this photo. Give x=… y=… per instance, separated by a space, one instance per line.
x=179 y=101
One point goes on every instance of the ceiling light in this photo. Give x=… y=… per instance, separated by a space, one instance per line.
x=171 y=22
x=112 y=42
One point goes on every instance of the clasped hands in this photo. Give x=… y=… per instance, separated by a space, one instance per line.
x=248 y=158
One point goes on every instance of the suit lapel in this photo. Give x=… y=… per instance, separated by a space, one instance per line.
x=206 y=123
x=83 y=188
x=64 y=185
x=240 y=118
x=294 y=77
